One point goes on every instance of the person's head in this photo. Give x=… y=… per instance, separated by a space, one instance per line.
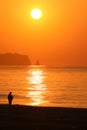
x=10 y=92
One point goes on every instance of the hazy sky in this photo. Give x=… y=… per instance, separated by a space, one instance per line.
x=59 y=38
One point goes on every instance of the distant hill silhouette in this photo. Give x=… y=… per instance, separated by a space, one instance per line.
x=14 y=59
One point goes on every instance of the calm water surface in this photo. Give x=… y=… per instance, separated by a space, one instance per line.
x=44 y=86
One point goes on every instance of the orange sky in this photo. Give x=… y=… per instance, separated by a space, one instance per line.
x=59 y=38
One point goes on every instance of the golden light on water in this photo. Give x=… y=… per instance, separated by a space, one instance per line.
x=38 y=87
x=37 y=96
x=36 y=78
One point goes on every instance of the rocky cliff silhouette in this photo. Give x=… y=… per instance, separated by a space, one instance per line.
x=14 y=59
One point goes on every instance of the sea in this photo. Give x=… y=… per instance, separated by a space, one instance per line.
x=44 y=86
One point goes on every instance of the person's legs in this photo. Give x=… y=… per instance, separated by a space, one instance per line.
x=9 y=102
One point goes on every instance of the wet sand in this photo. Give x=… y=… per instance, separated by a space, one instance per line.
x=42 y=118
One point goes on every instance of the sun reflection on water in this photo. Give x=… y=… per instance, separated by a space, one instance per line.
x=36 y=78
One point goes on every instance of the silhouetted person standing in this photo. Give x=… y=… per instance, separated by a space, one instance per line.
x=10 y=98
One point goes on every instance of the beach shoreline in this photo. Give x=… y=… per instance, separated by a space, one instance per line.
x=42 y=118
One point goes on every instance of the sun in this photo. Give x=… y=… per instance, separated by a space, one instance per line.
x=36 y=13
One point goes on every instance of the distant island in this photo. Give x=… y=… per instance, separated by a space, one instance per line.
x=14 y=59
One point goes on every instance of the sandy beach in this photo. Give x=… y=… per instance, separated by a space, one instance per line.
x=42 y=118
